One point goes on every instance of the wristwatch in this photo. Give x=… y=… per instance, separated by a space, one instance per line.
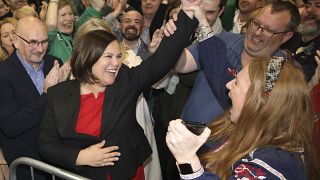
x=185 y=168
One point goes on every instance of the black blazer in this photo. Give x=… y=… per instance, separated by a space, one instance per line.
x=21 y=109
x=60 y=144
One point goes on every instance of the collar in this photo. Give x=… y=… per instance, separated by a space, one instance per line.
x=135 y=48
x=27 y=66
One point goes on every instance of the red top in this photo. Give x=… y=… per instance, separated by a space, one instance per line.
x=89 y=121
x=90 y=114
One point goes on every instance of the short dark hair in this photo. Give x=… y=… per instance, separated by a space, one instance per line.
x=87 y=51
x=282 y=6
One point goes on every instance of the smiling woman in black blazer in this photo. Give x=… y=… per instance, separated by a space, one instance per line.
x=90 y=126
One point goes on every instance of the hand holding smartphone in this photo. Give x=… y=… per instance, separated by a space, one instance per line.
x=195 y=127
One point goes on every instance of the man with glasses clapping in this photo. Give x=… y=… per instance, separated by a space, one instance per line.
x=24 y=79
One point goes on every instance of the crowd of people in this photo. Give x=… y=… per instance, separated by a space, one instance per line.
x=103 y=88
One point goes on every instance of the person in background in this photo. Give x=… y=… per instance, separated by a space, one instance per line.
x=90 y=25
x=61 y=24
x=243 y=13
x=266 y=134
x=103 y=95
x=80 y=6
x=149 y=9
x=30 y=11
x=15 y=4
x=7 y=31
x=131 y=29
x=306 y=40
x=201 y=99
x=171 y=100
x=4 y=10
x=228 y=14
x=25 y=11
x=24 y=80
x=272 y=26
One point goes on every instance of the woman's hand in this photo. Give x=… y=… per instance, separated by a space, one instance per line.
x=191 y=9
x=98 y=156
x=199 y=13
x=184 y=144
x=187 y=3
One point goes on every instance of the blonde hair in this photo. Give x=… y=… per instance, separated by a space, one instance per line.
x=91 y=25
x=3 y=52
x=282 y=119
x=25 y=11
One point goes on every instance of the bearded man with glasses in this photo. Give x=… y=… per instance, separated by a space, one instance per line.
x=24 y=79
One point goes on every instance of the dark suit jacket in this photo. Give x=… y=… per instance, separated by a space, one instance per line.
x=60 y=144
x=143 y=51
x=21 y=109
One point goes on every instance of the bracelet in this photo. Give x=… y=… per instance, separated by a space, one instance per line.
x=206 y=36
x=202 y=32
x=193 y=175
x=200 y=27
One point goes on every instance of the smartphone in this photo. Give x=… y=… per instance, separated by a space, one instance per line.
x=195 y=127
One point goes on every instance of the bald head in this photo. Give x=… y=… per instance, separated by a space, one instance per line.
x=30 y=32
x=28 y=24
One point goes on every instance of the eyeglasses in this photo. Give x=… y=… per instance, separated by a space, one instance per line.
x=133 y=21
x=265 y=31
x=35 y=44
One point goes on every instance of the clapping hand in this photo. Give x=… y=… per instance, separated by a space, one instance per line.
x=52 y=78
x=64 y=71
